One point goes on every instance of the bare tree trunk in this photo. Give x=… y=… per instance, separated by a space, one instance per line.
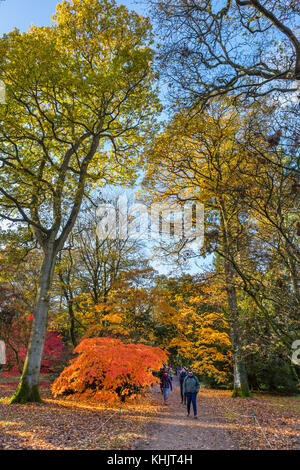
x=27 y=390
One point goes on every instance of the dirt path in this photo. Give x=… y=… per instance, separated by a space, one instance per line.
x=171 y=429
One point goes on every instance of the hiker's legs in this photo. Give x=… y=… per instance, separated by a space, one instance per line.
x=181 y=392
x=183 y=398
x=166 y=395
x=194 y=401
x=188 y=402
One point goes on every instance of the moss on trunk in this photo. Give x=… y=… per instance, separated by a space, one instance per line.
x=241 y=387
x=25 y=393
x=239 y=392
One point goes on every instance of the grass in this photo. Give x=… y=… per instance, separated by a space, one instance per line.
x=284 y=403
x=9 y=380
x=16 y=378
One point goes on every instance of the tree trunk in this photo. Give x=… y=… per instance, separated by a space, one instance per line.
x=16 y=356
x=27 y=390
x=241 y=386
x=72 y=322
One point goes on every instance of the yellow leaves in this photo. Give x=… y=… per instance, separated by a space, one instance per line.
x=89 y=71
x=198 y=330
x=112 y=318
x=196 y=158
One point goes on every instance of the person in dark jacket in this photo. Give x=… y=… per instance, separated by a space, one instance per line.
x=191 y=387
x=165 y=386
x=182 y=375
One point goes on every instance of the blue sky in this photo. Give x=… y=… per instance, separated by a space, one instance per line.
x=23 y=13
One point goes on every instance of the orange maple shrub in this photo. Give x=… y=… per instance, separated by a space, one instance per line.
x=107 y=369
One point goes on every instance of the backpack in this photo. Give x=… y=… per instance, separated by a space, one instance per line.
x=193 y=377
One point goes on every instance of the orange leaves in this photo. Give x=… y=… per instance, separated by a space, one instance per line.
x=107 y=369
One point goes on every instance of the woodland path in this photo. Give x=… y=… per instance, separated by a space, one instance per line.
x=171 y=429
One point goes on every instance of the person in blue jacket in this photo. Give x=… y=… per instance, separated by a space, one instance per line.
x=191 y=387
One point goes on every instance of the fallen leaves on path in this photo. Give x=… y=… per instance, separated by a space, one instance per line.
x=69 y=424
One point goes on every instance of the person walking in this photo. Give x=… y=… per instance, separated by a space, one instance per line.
x=170 y=372
x=161 y=371
x=182 y=376
x=191 y=387
x=165 y=386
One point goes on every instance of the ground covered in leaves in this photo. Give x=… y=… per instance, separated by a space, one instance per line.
x=223 y=423
x=66 y=424
x=226 y=423
x=262 y=422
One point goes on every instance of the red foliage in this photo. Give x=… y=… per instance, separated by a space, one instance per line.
x=106 y=369
x=53 y=351
x=16 y=347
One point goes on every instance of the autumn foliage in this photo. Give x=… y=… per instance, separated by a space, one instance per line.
x=15 y=327
x=107 y=369
x=17 y=348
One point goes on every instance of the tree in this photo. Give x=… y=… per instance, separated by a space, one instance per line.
x=190 y=322
x=88 y=270
x=268 y=259
x=223 y=158
x=127 y=311
x=271 y=193
x=72 y=89
x=267 y=358
x=20 y=263
x=12 y=330
x=106 y=369
x=199 y=159
x=242 y=47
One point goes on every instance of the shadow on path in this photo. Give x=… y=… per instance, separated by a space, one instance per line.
x=171 y=429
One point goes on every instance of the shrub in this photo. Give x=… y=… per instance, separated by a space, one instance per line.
x=108 y=369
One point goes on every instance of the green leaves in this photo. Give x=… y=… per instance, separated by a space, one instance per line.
x=80 y=100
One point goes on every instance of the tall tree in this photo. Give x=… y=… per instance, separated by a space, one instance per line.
x=79 y=98
x=88 y=269
x=224 y=159
x=199 y=159
x=191 y=323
